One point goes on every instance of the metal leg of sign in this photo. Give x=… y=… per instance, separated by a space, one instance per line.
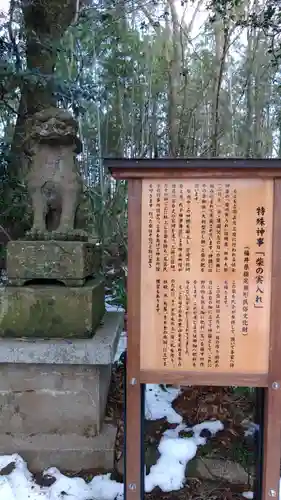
x=259 y=399
x=272 y=443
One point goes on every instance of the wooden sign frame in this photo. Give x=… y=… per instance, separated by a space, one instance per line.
x=135 y=171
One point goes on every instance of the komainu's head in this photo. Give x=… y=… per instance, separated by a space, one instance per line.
x=53 y=126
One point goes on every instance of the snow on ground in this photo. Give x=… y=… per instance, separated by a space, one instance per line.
x=111 y=307
x=168 y=473
x=122 y=344
x=19 y=485
x=250 y=428
x=175 y=453
x=158 y=403
x=248 y=494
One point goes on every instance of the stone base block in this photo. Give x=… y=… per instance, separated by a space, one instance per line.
x=70 y=262
x=98 y=350
x=68 y=452
x=53 y=397
x=38 y=399
x=57 y=387
x=51 y=311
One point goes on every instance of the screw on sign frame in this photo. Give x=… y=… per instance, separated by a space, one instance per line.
x=261 y=367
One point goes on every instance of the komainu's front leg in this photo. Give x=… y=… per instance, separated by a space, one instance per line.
x=39 y=210
x=69 y=205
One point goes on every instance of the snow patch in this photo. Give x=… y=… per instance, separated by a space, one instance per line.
x=122 y=344
x=110 y=307
x=248 y=494
x=213 y=426
x=168 y=473
x=107 y=489
x=19 y=485
x=250 y=428
x=158 y=403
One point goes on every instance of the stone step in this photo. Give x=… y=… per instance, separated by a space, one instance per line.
x=66 y=452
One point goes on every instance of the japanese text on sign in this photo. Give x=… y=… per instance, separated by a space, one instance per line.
x=206 y=271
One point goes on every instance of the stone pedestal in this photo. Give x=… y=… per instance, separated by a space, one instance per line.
x=57 y=346
x=51 y=311
x=68 y=262
x=54 y=290
x=53 y=397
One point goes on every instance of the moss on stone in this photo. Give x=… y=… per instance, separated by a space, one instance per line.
x=52 y=311
x=69 y=262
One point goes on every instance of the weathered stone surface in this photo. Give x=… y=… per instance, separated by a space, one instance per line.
x=36 y=399
x=217 y=469
x=67 y=451
x=53 y=399
x=53 y=179
x=51 y=311
x=70 y=262
x=98 y=350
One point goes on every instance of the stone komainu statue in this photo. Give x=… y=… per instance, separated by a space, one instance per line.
x=53 y=178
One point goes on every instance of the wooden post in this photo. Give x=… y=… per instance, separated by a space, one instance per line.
x=204 y=287
x=272 y=417
x=133 y=386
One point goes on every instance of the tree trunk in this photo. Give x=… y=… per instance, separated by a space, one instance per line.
x=174 y=81
x=221 y=46
x=249 y=94
x=45 y=22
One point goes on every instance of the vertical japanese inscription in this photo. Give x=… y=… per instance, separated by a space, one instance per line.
x=211 y=229
x=157 y=235
x=165 y=229
x=173 y=232
x=187 y=228
x=260 y=255
x=150 y=226
x=206 y=253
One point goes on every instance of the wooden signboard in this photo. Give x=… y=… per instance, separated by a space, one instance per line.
x=206 y=275
x=204 y=287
